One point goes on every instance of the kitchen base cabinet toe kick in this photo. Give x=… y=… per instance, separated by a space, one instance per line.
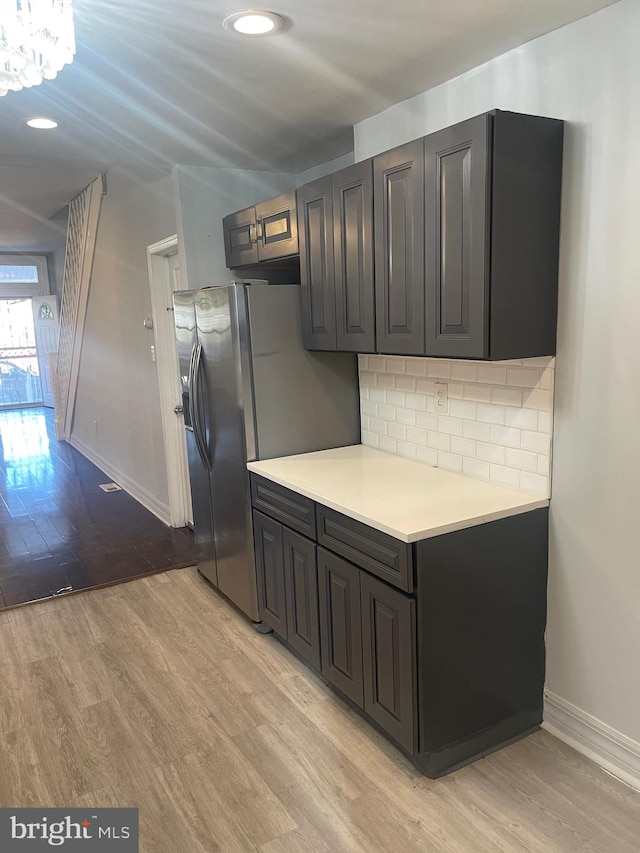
x=447 y=658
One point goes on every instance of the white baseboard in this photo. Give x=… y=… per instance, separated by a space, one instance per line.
x=142 y=495
x=612 y=750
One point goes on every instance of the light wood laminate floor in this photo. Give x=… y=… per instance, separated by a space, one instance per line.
x=156 y=694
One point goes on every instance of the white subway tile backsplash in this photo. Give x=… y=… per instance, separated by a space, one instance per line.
x=521 y=418
x=440 y=369
x=427 y=455
x=396 y=398
x=492 y=374
x=490 y=414
x=477 y=393
x=475 y=430
x=525 y=460
x=397 y=430
x=537 y=441
x=376 y=362
x=406 y=383
x=438 y=440
x=504 y=476
x=506 y=396
x=523 y=376
x=544 y=422
x=416 y=435
x=428 y=420
x=449 y=425
x=464 y=371
x=388 y=444
x=425 y=386
x=463 y=446
x=507 y=436
x=537 y=398
x=387 y=380
x=406 y=449
x=387 y=413
x=534 y=483
x=450 y=461
x=499 y=423
x=415 y=401
x=416 y=366
x=462 y=409
x=490 y=452
x=406 y=416
x=475 y=468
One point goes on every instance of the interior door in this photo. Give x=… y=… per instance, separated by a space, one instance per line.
x=45 y=323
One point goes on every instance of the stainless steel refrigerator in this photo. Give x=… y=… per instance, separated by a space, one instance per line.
x=251 y=391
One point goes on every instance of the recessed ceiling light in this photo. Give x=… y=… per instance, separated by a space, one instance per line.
x=252 y=23
x=42 y=123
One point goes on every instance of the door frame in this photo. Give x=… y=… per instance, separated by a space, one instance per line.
x=168 y=367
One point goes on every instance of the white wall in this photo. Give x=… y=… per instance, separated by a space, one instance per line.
x=587 y=73
x=117 y=415
x=204 y=195
x=323 y=169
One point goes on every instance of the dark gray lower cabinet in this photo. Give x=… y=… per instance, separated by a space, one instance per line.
x=267 y=535
x=301 y=584
x=446 y=657
x=341 y=624
x=388 y=650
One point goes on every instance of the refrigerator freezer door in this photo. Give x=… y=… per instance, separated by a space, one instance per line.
x=184 y=309
x=221 y=318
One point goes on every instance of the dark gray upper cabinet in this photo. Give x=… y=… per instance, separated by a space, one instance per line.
x=266 y=232
x=353 y=257
x=492 y=224
x=466 y=226
x=317 y=283
x=240 y=241
x=336 y=260
x=398 y=188
x=456 y=239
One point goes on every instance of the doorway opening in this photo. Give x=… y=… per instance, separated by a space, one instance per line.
x=20 y=380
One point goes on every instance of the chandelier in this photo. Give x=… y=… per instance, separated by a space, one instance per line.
x=36 y=41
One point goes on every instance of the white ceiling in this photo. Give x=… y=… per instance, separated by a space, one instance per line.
x=159 y=82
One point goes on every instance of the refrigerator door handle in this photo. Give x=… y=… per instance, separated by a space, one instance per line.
x=200 y=436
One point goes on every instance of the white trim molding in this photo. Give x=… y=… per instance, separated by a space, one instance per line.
x=144 y=497
x=606 y=746
x=161 y=287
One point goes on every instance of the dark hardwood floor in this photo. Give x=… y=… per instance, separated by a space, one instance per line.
x=58 y=529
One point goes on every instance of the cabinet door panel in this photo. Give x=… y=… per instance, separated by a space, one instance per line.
x=340 y=624
x=277 y=227
x=353 y=247
x=301 y=577
x=317 y=290
x=240 y=244
x=270 y=572
x=457 y=254
x=388 y=650
x=398 y=178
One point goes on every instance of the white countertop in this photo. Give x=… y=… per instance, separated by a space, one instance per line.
x=409 y=500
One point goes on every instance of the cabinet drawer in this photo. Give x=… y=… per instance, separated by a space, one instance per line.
x=292 y=509
x=377 y=552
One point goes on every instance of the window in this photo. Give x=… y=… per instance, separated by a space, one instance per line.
x=23 y=275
